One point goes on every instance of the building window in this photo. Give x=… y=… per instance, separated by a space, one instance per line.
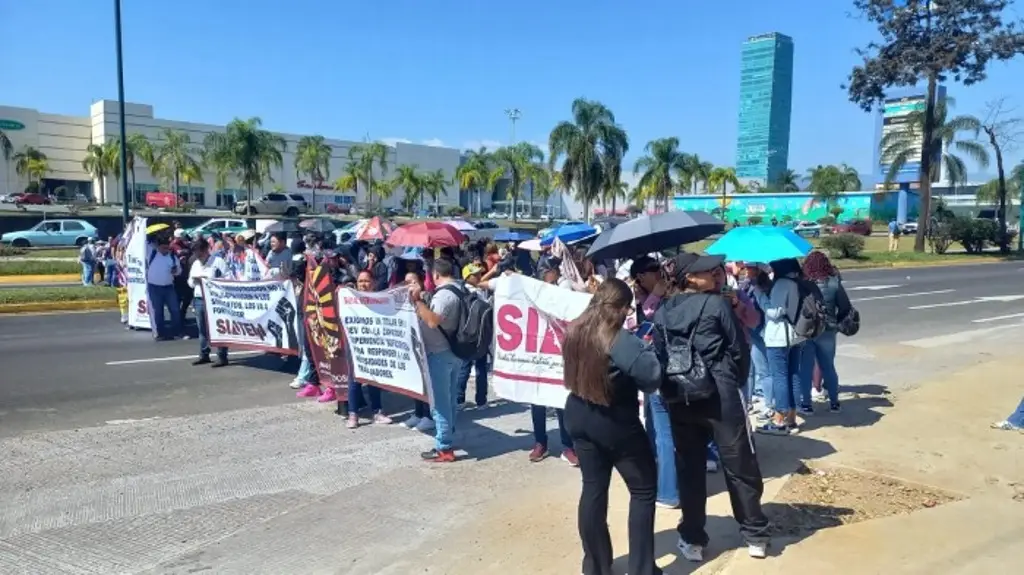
x=193 y=194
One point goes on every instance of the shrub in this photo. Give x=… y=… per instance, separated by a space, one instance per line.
x=940 y=236
x=7 y=251
x=755 y=220
x=836 y=210
x=843 y=246
x=973 y=234
x=787 y=218
x=39 y=267
x=186 y=208
x=827 y=221
x=456 y=211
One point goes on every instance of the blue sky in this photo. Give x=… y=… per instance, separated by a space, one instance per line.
x=444 y=70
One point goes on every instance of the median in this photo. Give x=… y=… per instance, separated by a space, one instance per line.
x=71 y=298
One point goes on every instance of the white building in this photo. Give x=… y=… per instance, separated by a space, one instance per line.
x=63 y=139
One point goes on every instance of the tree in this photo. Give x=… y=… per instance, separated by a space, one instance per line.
x=543 y=185
x=787 y=182
x=175 y=156
x=409 y=179
x=23 y=160
x=313 y=158
x=138 y=147
x=247 y=150
x=96 y=164
x=901 y=146
x=112 y=153
x=517 y=160
x=585 y=144
x=720 y=179
x=37 y=168
x=696 y=172
x=434 y=184
x=349 y=179
x=618 y=191
x=369 y=156
x=7 y=151
x=662 y=159
x=827 y=183
x=472 y=174
x=1002 y=133
x=930 y=41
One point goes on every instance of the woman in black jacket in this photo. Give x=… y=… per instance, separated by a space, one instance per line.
x=605 y=368
x=701 y=313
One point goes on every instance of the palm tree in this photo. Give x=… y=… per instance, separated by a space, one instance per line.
x=434 y=184
x=616 y=192
x=248 y=150
x=662 y=158
x=24 y=157
x=542 y=185
x=96 y=164
x=722 y=178
x=383 y=189
x=409 y=179
x=7 y=150
x=517 y=161
x=37 y=168
x=313 y=158
x=904 y=145
x=174 y=156
x=585 y=145
x=827 y=183
x=472 y=174
x=695 y=171
x=112 y=152
x=557 y=183
x=349 y=179
x=369 y=156
x=787 y=182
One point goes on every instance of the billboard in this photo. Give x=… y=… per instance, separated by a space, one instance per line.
x=879 y=206
x=893 y=116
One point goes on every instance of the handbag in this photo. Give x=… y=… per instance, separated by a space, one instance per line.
x=849 y=324
x=687 y=377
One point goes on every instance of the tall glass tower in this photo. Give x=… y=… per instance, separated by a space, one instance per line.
x=766 y=102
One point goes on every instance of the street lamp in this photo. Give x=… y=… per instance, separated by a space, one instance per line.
x=120 y=112
x=513 y=115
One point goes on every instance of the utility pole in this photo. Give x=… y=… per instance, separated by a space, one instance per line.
x=513 y=115
x=120 y=114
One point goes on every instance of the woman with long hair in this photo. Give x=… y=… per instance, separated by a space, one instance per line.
x=420 y=420
x=605 y=368
x=822 y=349
x=783 y=346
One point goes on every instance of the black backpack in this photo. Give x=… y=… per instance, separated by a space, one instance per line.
x=473 y=338
x=687 y=377
x=810 y=318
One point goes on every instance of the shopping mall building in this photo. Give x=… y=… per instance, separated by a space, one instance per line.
x=63 y=139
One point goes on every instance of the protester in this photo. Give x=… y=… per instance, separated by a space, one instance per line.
x=87 y=258
x=821 y=351
x=182 y=249
x=759 y=382
x=307 y=375
x=205 y=266
x=1015 y=422
x=421 y=420
x=364 y=283
x=699 y=316
x=377 y=268
x=438 y=318
x=784 y=347
x=472 y=275
x=605 y=369
x=163 y=267
x=279 y=258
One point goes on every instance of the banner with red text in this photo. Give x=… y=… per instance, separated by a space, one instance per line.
x=384 y=340
x=260 y=316
x=135 y=261
x=530 y=317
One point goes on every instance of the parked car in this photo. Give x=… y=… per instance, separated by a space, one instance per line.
x=157 y=200
x=860 y=227
x=485 y=230
x=339 y=209
x=32 y=199
x=300 y=200
x=271 y=204
x=497 y=216
x=219 y=225
x=52 y=233
x=807 y=229
x=909 y=228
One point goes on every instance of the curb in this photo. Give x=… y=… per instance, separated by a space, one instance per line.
x=41 y=279
x=43 y=306
x=938 y=264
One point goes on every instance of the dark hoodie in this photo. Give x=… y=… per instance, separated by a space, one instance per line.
x=718 y=338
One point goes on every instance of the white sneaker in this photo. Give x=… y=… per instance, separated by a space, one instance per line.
x=411 y=422
x=712 y=466
x=297 y=383
x=818 y=395
x=758 y=550
x=690 y=552
x=425 y=425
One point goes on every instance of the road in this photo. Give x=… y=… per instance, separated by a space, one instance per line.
x=118 y=456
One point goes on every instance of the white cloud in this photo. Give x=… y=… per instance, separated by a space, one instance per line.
x=393 y=141
x=491 y=145
x=433 y=142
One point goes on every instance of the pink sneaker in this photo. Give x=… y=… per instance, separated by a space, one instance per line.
x=327 y=396
x=309 y=391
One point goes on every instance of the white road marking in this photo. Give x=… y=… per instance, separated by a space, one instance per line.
x=873 y=288
x=999 y=298
x=899 y=295
x=171 y=358
x=997 y=318
x=130 y=421
x=956 y=338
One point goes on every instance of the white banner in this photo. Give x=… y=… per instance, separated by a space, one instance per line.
x=246 y=265
x=384 y=340
x=135 y=264
x=258 y=315
x=529 y=326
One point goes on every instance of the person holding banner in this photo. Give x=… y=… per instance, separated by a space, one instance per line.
x=420 y=420
x=161 y=270
x=364 y=283
x=605 y=369
x=205 y=266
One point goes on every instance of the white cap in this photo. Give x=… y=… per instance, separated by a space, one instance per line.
x=179 y=233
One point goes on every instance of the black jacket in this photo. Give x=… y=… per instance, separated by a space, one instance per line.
x=718 y=338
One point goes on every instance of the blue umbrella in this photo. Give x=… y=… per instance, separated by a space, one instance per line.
x=512 y=237
x=411 y=254
x=760 y=244
x=568 y=233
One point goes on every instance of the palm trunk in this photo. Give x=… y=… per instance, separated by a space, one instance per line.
x=131 y=197
x=925 y=191
x=313 y=206
x=613 y=205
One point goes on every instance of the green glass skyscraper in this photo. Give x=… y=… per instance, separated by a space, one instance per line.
x=766 y=102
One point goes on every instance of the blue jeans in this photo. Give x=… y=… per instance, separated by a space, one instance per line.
x=659 y=429
x=820 y=350
x=110 y=271
x=784 y=365
x=760 y=380
x=481 y=380
x=204 y=331
x=88 y=272
x=444 y=385
x=1016 y=418
x=355 y=397
x=539 y=414
x=161 y=297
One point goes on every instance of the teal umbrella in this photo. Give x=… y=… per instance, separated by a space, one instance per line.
x=760 y=244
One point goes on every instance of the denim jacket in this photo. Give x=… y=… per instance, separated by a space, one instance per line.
x=778 y=330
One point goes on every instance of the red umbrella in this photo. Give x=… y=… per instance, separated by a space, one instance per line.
x=426 y=235
x=375 y=229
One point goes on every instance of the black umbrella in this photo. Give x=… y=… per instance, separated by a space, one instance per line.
x=283 y=227
x=653 y=233
x=317 y=225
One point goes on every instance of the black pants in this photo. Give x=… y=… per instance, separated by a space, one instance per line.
x=692 y=428
x=607 y=438
x=185 y=295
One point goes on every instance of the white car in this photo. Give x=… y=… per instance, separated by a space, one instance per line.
x=497 y=216
x=807 y=229
x=272 y=205
x=909 y=228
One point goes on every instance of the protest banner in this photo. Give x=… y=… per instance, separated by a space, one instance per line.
x=246 y=264
x=384 y=340
x=529 y=326
x=322 y=323
x=259 y=316
x=135 y=263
